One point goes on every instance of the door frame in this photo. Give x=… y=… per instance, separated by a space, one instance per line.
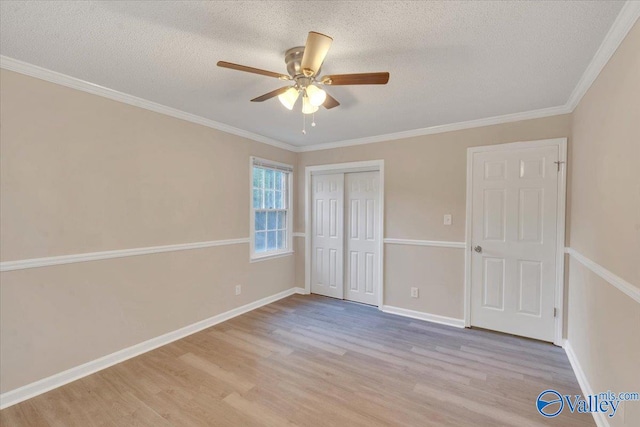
x=364 y=166
x=561 y=143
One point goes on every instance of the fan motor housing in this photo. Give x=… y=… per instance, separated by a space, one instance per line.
x=293 y=59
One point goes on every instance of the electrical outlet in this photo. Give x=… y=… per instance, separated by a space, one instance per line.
x=447 y=219
x=238 y=289
x=414 y=292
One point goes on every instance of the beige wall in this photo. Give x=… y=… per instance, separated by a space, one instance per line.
x=603 y=332
x=81 y=173
x=605 y=195
x=425 y=178
x=604 y=323
x=58 y=317
x=299 y=248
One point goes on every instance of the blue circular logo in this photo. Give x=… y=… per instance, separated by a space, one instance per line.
x=549 y=403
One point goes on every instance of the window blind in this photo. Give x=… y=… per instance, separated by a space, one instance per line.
x=262 y=163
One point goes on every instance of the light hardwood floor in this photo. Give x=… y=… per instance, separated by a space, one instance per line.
x=315 y=361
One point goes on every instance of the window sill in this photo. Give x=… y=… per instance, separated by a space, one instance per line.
x=271 y=256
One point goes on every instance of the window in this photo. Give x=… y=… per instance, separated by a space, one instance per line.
x=270 y=208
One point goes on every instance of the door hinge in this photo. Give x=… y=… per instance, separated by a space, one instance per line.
x=558 y=164
x=555 y=312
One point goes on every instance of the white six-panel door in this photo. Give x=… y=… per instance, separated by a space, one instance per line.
x=327 y=238
x=513 y=261
x=361 y=232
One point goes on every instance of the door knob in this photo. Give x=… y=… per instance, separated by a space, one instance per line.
x=478 y=249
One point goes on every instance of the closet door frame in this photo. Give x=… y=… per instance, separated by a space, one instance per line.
x=364 y=166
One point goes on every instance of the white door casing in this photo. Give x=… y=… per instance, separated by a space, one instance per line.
x=361 y=236
x=514 y=224
x=327 y=238
x=343 y=168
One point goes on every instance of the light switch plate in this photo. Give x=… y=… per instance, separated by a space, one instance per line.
x=447 y=219
x=414 y=292
x=238 y=289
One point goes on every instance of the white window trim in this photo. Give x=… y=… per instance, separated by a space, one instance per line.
x=253 y=257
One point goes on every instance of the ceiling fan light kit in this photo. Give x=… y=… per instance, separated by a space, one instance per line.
x=289 y=98
x=307 y=106
x=316 y=95
x=303 y=65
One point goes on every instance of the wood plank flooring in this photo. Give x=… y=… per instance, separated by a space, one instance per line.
x=315 y=361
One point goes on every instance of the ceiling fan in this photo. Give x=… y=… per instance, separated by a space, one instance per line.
x=303 y=66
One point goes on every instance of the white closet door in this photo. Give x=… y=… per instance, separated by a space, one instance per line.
x=327 y=238
x=514 y=223
x=362 y=236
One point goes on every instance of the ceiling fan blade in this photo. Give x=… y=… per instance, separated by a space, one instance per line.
x=244 y=68
x=271 y=94
x=356 y=79
x=330 y=102
x=315 y=50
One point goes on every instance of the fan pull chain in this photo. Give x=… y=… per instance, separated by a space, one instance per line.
x=313 y=120
x=304 y=124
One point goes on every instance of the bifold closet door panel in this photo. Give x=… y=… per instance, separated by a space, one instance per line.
x=362 y=236
x=327 y=235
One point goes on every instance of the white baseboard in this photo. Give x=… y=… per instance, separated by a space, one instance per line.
x=28 y=391
x=435 y=318
x=599 y=418
x=301 y=290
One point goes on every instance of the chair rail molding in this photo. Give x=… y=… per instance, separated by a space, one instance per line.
x=433 y=243
x=95 y=256
x=609 y=277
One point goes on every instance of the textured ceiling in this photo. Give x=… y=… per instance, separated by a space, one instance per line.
x=449 y=61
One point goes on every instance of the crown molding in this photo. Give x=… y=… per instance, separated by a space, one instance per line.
x=619 y=29
x=627 y=17
x=507 y=118
x=25 y=68
x=625 y=20
x=45 y=74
